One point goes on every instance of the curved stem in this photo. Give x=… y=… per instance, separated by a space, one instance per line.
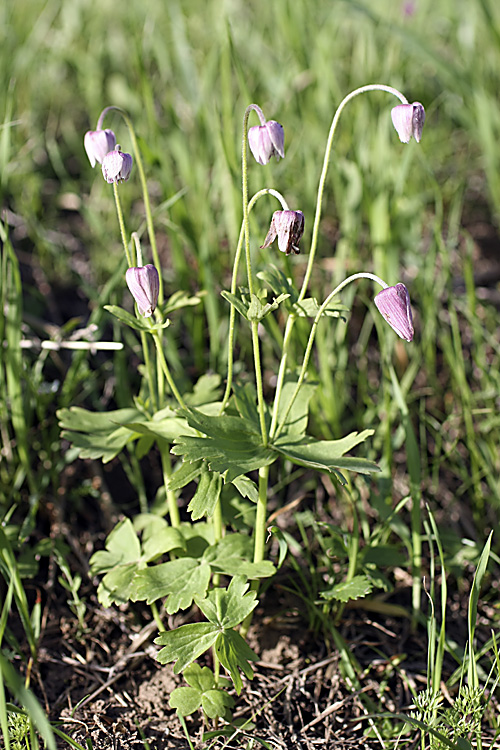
x=234 y=279
x=122 y=224
x=326 y=160
x=145 y=194
x=312 y=334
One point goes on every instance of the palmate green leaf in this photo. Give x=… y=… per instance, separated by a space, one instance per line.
x=98 y=434
x=122 y=547
x=184 y=473
x=234 y=654
x=231 y=556
x=296 y=421
x=206 y=390
x=227 y=608
x=327 y=455
x=139 y=324
x=232 y=446
x=180 y=580
x=356 y=588
x=185 y=644
x=309 y=308
x=165 y=424
x=207 y=493
x=202 y=692
x=245 y=400
x=117 y=585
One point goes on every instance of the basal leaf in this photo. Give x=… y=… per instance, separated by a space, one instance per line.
x=327 y=455
x=186 y=700
x=184 y=473
x=232 y=555
x=181 y=580
x=122 y=546
x=117 y=585
x=98 y=434
x=296 y=421
x=356 y=588
x=201 y=678
x=234 y=654
x=216 y=703
x=185 y=644
x=231 y=445
x=246 y=488
x=227 y=608
x=207 y=494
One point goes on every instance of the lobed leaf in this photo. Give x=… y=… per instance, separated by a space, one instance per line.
x=185 y=644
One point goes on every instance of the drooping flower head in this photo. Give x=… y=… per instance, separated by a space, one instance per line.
x=144 y=284
x=97 y=144
x=408 y=119
x=288 y=227
x=267 y=140
x=116 y=166
x=394 y=305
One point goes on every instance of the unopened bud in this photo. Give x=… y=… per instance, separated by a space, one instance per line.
x=97 y=144
x=144 y=284
x=116 y=166
x=394 y=305
x=288 y=227
x=266 y=141
x=408 y=119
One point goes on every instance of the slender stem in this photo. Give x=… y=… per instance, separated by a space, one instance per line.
x=145 y=194
x=156 y=617
x=122 y=224
x=315 y=234
x=166 y=464
x=313 y=333
x=258 y=383
x=234 y=279
x=326 y=160
x=259 y=545
x=166 y=371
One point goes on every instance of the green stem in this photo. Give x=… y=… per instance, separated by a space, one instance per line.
x=315 y=233
x=234 y=279
x=145 y=194
x=166 y=465
x=326 y=161
x=312 y=334
x=166 y=370
x=259 y=545
x=122 y=224
x=156 y=617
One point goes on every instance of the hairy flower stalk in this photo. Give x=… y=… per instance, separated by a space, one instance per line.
x=395 y=308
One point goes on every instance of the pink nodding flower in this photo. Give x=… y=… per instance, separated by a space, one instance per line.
x=116 y=166
x=144 y=284
x=266 y=141
x=394 y=305
x=288 y=227
x=97 y=144
x=408 y=119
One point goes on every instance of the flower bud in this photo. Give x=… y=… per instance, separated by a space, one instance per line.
x=144 y=284
x=288 y=227
x=266 y=141
x=408 y=119
x=116 y=166
x=97 y=144
x=394 y=305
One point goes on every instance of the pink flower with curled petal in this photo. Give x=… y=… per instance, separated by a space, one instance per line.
x=97 y=144
x=408 y=119
x=393 y=303
x=288 y=227
x=144 y=284
x=266 y=141
x=116 y=166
